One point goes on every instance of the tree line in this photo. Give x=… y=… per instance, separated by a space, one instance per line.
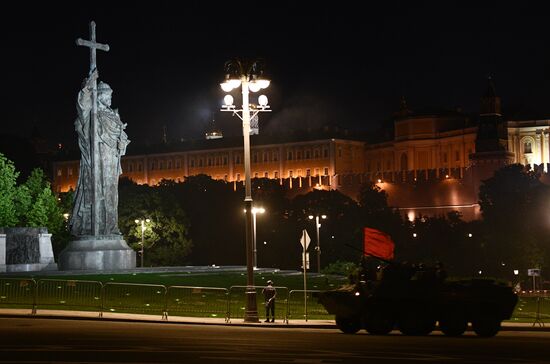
x=201 y=222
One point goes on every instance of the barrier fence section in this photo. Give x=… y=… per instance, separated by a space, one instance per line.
x=197 y=302
x=18 y=292
x=134 y=298
x=237 y=302
x=63 y=294
x=296 y=307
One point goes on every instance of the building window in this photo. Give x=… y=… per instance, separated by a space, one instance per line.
x=238 y=177
x=255 y=157
x=316 y=153
x=275 y=156
x=225 y=160
x=457 y=156
x=59 y=173
x=444 y=157
x=140 y=167
x=225 y=178
x=339 y=152
x=527 y=147
x=266 y=174
x=255 y=174
x=299 y=173
x=290 y=174
x=265 y=157
x=130 y=167
x=209 y=161
x=192 y=163
x=404 y=162
x=316 y=171
x=308 y=154
x=298 y=155
x=153 y=165
x=326 y=171
x=289 y=156
x=178 y=164
x=237 y=159
x=325 y=153
x=201 y=162
x=169 y=166
x=308 y=172
x=161 y=165
x=70 y=171
x=275 y=174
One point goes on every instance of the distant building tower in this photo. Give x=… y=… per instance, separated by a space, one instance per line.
x=213 y=132
x=491 y=133
x=491 y=141
x=164 y=138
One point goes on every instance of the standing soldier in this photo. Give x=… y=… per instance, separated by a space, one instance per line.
x=269 y=293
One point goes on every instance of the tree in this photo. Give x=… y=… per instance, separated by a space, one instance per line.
x=516 y=226
x=166 y=237
x=30 y=204
x=339 y=231
x=376 y=214
x=8 y=192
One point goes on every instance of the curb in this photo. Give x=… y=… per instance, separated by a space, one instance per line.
x=182 y=321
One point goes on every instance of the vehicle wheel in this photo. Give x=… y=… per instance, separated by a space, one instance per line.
x=486 y=326
x=348 y=325
x=453 y=325
x=416 y=324
x=378 y=324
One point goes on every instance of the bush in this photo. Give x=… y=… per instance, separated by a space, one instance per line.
x=341 y=268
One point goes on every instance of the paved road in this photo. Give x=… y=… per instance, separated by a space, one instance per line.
x=37 y=340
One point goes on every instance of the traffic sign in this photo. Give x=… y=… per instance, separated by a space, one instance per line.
x=305 y=239
x=534 y=272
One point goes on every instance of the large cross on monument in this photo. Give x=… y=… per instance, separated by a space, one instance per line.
x=93 y=45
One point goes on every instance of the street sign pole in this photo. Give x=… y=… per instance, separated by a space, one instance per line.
x=304 y=245
x=304 y=241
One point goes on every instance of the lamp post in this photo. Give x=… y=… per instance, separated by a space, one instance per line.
x=142 y=222
x=318 y=247
x=249 y=76
x=255 y=211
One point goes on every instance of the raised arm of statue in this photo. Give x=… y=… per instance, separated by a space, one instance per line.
x=85 y=96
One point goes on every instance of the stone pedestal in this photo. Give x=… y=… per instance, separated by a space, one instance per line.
x=2 y=253
x=24 y=249
x=108 y=252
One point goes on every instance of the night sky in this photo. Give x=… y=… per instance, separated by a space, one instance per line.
x=346 y=63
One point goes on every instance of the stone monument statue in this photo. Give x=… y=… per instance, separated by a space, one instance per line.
x=111 y=145
x=102 y=142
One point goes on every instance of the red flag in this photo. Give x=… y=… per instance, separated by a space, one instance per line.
x=378 y=244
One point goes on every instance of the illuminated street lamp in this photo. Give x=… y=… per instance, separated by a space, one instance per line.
x=255 y=210
x=318 y=247
x=249 y=76
x=142 y=223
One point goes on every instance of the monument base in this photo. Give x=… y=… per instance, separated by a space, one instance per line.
x=108 y=252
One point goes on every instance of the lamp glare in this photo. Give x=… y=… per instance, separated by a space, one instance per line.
x=262 y=100
x=228 y=100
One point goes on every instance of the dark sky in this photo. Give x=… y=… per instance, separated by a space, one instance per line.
x=346 y=63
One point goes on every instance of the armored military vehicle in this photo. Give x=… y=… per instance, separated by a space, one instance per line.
x=414 y=299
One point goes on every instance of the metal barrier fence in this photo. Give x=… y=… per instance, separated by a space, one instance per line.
x=197 y=301
x=237 y=302
x=62 y=294
x=297 y=307
x=191 y=301
x=18 y=292
x=134 y=298
x=532 y=308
